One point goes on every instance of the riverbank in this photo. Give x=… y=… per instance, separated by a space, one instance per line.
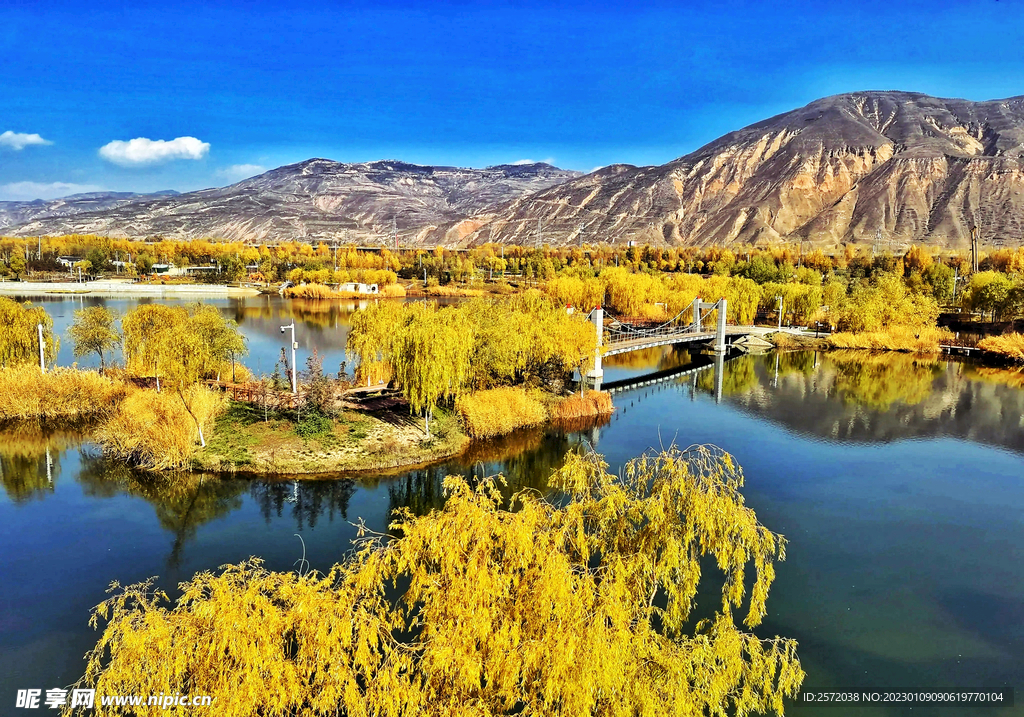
x=121 y=288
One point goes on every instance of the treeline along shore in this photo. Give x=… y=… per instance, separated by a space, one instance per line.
x=429 y=379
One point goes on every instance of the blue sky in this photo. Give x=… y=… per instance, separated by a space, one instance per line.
x=257 y=85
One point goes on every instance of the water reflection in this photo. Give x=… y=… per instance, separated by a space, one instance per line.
x=306 y=502
x=29 y=464
x=182 y=502
x=904 y=559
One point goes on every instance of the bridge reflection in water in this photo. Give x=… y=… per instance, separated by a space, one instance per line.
x=700 y=363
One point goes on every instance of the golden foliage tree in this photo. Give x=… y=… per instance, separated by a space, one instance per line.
x=574 y=607
x=182 y=344
x=94 y=331
x=431 y=359
x=19 y=333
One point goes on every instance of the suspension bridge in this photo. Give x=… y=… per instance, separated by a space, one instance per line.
x=616 y=336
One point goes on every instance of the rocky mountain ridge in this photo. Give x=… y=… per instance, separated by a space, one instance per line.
x=317 y=199
x=899 y=166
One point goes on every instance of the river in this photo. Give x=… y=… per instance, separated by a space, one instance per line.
x=896 y=480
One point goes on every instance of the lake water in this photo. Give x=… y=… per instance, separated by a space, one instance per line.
x=897 y=481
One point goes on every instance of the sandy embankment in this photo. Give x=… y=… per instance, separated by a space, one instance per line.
x=120 y=288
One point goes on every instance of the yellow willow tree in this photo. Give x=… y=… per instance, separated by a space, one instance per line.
x=577 y=606
x=142 y=328
x=19 y=334
x=372 y=337
x=221 y=337
x=432 y=358
x=94 y=331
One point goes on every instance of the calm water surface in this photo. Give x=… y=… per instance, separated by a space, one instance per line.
x=897 y=481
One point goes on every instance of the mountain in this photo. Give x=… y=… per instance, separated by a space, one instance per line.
x=842 y=169
x=899 y=166
x=318 y=198
x=15 y=213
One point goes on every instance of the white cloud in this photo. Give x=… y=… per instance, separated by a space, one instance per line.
x=141 y=151
x=241 y=171
x=19 y=140
x=22 y=191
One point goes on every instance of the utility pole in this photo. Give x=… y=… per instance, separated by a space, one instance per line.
x=974 y=249
x=878 y=240
x=539 y=234
x=581 y=228
x=394 y=231
x=780 y=311
x=295 y=384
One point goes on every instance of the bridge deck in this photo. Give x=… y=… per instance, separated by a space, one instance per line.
x=645 y=342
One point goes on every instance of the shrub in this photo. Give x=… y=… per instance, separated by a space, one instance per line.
x=155 y=430
x=896 y=338
x=65 y=393
x=312 y=291
x=392 y=291
x=498 y=411
x=313 y=425
x=592 y=403
x=1010 y=346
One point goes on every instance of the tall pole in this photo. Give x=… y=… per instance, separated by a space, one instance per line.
x=974 y=249
x=295 y=385
x=780 y=310
x=42 y=346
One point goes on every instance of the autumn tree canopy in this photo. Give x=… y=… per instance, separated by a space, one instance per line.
x=575 y=606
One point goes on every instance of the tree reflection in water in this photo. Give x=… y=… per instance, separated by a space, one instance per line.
x=29 y=463
x=880 y=380
x=525 y=459
x=182 y=501
x=306 y=500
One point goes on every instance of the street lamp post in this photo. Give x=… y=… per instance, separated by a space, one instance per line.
x=42 y=349
x=295 y=385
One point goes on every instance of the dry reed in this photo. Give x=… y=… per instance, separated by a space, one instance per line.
x=64 y=393
x=575 y=407
x=155 y=430
x=315 y=291
x=498 y=411
x=452 y=291
x=1009 y=346
x=392 y=291
x=920 y=340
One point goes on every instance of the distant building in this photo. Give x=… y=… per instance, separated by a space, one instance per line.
x=69 y=261
x=169 y=269
x=357 y=288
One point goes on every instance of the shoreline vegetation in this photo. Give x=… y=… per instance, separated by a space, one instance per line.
x=500 y=360
x=163 y=410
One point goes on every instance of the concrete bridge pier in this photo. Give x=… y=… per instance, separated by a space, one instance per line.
x=720 y=329
x=719 y=374
x=597 y=373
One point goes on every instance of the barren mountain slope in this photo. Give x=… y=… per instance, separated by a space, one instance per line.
x=914 y=167
x=20 y=212
x=317 y=198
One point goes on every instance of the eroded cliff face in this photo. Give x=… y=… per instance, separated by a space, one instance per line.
x=841 y=169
